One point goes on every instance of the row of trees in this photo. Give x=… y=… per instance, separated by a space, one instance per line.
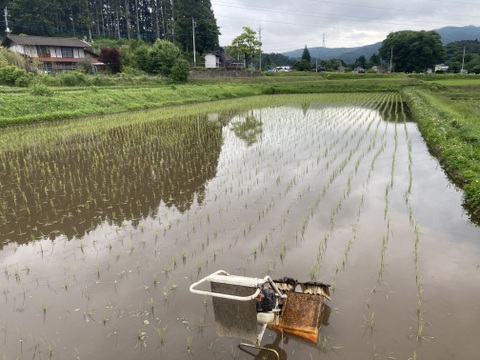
x=408 y=51
x=173 y=20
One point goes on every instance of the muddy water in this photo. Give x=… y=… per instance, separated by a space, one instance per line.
x=121 y=222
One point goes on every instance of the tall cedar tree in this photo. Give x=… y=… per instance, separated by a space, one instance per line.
x=306 y=55
x=132 y=19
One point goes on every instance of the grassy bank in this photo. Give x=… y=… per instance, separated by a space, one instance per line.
x=44 y=103
x=450 y=124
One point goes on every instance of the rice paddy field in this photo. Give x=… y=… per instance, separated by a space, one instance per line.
x=106 y=222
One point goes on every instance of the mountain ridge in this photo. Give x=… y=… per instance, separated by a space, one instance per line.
x=448 y=34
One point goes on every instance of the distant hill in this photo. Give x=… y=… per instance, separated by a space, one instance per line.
x=349 y=55
x=453 y=33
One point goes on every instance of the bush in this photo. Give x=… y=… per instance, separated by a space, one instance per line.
x=71 y=78
x=8 y=57
x=41 y=90
x=11 y=75
x=180 y=71
x=162 y=56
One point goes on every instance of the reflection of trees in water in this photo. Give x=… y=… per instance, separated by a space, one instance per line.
x=248 y=130
x=305 y=107
x=115 y=175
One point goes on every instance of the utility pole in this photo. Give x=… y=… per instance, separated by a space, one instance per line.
x=260 y=39
x=5 y=14
x=391 y=60
x=316 y=57
x=173 y=21
x=194 y=25
x=463 y=60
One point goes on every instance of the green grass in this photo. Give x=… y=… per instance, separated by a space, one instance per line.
x=58 y=103
x=448 y=120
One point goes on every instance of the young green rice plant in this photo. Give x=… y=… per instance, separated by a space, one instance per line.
x=326 y=345
x=201 y=324
x=44 y=308
x=160 y=333
x=283 y=250
x=151 y=304
x=368 y=323
x=17 y=273
x=314 y=271
x=189 y=346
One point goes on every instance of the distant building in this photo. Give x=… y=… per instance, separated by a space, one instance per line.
x=221 y=59
x=212 y=60
x=379 y=69
x=53 y=54
x=440 y=68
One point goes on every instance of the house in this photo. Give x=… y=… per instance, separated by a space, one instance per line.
x=440 y=68
x=54 y=54
x=220 y=59
x=379 y=69
x=212 y=60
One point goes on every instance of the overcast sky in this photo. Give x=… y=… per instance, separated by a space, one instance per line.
x=291 y=24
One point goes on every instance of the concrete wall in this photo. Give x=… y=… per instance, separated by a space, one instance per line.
x=218 y=73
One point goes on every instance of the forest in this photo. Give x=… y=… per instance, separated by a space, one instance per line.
x=146 y=20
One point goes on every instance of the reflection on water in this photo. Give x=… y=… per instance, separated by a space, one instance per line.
x=335 y=193
x=120 y=174
x=249 y=129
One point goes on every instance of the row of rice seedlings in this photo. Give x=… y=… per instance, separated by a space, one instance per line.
x=416 y=232
x=269 y=205
x=333 y=175
x=342 y=261
x=346 y=193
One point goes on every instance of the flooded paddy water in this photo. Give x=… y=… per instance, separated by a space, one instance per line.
x=103 y=229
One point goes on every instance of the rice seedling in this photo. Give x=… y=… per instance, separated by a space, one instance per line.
x=314 y=271
x=368 y=323
x=160 y=333
x=325 y=344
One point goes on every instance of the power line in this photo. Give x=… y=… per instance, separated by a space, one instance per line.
x=333 y=15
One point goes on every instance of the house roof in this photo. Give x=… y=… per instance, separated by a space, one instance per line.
x=44 y=41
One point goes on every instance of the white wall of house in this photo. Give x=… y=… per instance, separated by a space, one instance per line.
x=25 y=50
x=212 y=61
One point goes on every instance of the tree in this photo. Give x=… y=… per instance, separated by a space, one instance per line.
x=374 y=59
x=162 y=57
x=302 y=65
x=246 y=45
x=413 y=51
x=198 y=14
x=306 y=55
x=111 y=58
x=360 y=62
